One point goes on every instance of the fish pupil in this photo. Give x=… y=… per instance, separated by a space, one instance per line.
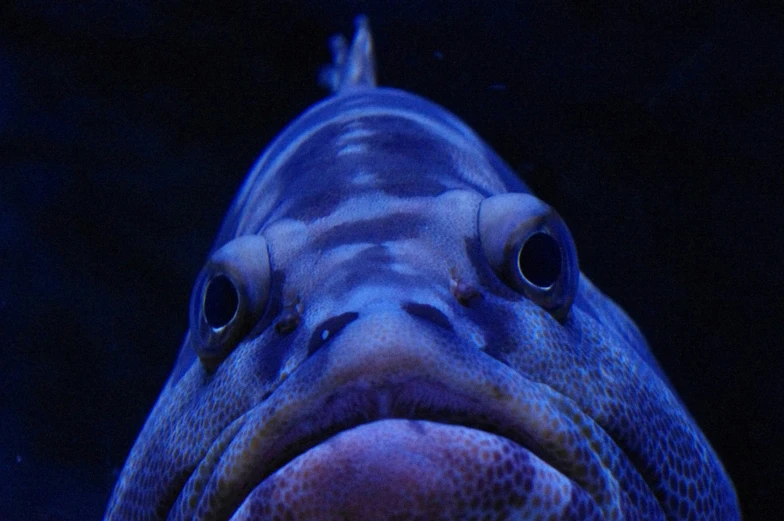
x=220 y=302
x=539 y=260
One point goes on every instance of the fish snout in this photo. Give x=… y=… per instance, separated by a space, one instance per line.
x=384 y=347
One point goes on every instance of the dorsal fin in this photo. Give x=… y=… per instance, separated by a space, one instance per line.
x=352 y=67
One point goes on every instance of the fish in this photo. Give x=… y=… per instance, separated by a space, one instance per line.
x=391 y=326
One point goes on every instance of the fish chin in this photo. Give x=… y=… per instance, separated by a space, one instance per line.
x=416 y=469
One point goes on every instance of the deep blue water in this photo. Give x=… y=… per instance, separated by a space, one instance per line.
x=656 y=130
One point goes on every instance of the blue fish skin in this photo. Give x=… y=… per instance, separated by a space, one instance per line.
x=390 y=326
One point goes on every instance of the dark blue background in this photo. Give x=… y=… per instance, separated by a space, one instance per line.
x=126 y=127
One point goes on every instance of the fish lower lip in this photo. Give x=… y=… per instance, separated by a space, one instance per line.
x=535 y=420
x=407 y=469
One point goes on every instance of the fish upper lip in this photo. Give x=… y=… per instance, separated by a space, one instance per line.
x=355 y=406
x=276 y=431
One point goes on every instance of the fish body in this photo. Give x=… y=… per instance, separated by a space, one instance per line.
x=390 y=326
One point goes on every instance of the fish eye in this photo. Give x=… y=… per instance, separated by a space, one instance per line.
x=539 y=260
x=221 y=302
x=229 y=297
x=530 y=249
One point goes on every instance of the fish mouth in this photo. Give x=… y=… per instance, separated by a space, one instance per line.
x=410 y=448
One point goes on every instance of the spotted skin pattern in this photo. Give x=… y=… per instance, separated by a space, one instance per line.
x=390 y=372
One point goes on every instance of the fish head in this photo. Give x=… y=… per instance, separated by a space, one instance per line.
x=437 y=356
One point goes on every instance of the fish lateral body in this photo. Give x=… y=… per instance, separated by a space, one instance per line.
x=391 y=326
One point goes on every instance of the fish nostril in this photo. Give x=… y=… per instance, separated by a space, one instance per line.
x=329 y=329
x=429 y=313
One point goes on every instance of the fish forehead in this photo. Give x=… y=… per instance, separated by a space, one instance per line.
x=376 y=250
x=364 y=143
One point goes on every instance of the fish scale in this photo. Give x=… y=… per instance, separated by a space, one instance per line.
x=391 y=326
